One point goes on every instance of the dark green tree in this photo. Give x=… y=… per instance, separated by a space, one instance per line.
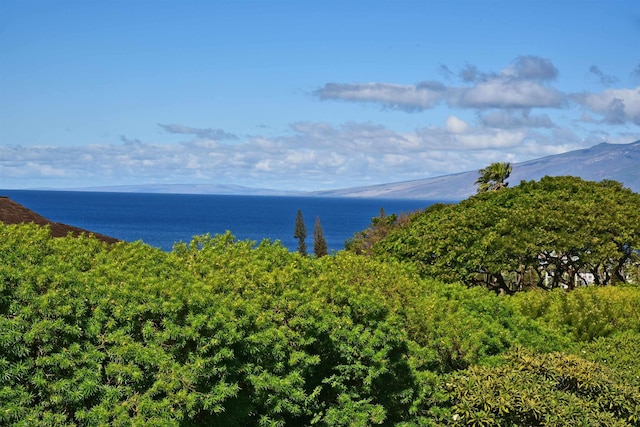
x=560 y=232
x=300 y=233
x=319 y=242
x=493 y=177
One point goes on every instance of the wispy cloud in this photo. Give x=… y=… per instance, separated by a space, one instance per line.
x=470 y=73
x=603 y=78
x=504 y=119
x=636 y=73
x=401 y=97
x=208 y=133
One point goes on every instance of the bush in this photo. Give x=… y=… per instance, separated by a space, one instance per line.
x=619 y=352
x=586 y=313
x=216 y=332
x=535 y=389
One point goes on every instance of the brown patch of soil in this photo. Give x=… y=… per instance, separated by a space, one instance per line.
x=14 y=213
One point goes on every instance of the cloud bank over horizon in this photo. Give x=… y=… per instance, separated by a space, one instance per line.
x=511 y=122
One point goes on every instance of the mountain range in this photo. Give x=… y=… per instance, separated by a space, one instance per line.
x=619 y=162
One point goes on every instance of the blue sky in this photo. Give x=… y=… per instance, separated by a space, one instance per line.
x=306 y=95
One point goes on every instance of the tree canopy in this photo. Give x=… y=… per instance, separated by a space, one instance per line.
x=557 y=232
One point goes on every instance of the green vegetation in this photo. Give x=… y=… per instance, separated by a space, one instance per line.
x=556 y=233
x=233 y=333
x=319 y=242
x=300 y=233
x=364 y=241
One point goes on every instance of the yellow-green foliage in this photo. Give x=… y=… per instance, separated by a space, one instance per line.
x=619 y=352
x=532 y=389
x=215 y=332
x=587 y=312
x=222 y=332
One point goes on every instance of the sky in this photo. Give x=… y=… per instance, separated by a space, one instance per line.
x=306 y=95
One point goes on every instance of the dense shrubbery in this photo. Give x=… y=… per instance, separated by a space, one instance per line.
x=222 y=332
x=541 y=390
x=592 y=313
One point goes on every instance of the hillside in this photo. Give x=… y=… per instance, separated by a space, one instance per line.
x=619 y=162
x=14 y=213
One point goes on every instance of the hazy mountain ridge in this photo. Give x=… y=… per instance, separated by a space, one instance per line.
x=619 y=162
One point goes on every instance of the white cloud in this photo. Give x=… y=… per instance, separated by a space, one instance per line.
x=507 y=93
x=492 y=139
x=531 y=67
x=603 y=78
x=316 y=155
x=456 y=125
x=507 y=119
x=206 y=133
x=523 y=84
x=616 y=106
x=474 y=139
x=403 y=97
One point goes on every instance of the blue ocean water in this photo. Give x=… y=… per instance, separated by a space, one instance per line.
x=161 y=220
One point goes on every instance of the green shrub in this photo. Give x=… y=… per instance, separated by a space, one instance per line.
x=585 y=313
x=619 y=352
x=533 y=389
x=215 y=332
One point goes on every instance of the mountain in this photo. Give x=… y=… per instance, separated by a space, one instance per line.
x=619 y=162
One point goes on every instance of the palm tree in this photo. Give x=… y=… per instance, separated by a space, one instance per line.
x=493 y=177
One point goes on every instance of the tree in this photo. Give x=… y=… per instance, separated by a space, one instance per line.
x=560 y=232
x=363 y=242
x=300 y=233
x=493 y=177
x=319 y=242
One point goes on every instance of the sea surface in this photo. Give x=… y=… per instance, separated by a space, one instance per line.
x=160 y=220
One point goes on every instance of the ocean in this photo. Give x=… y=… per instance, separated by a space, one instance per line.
x=160 y=220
